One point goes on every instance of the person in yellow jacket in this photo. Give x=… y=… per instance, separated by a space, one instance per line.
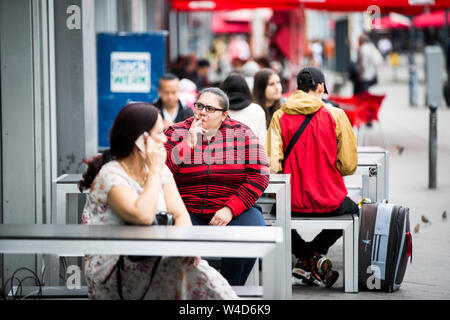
x=325 y=151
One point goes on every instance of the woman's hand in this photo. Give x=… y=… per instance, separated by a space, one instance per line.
x=194 y=130
x=222 y=217
x=155 y=154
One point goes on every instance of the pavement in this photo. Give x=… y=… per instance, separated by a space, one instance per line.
x=427 y=276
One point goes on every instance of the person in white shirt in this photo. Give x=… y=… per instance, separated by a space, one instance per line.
x=369 y=60
x=242 y=108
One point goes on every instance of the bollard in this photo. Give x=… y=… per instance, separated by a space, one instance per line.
x=413 y=84
x=413 y=81
x=432 y=149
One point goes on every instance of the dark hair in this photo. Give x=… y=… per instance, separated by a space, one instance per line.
x=305 y=82
x=261 y=80
x=130 y=123
x=203 y=63
x=168 y=77
x=236 y=83
x=223 y=99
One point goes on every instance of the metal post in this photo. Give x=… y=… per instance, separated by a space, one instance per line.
x=432 y=149
x=413 y=82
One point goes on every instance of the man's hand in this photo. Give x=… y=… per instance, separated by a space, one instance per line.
x=222 y=217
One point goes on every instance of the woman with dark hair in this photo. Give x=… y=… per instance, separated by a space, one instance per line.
x=129 y=184
x=267 y=92
x=221 y=170
x=242 y=107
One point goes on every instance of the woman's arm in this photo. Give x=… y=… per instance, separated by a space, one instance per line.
x=132 y=208
x=175 y=204
x=141 y=209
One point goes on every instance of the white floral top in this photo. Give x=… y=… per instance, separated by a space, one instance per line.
x=175 y=277
x=97 y=211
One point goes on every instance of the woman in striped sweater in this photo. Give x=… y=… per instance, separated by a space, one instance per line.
x=221 y=170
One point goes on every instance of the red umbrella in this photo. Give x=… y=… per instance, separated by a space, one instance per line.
x=392 y=21
x=431 y=19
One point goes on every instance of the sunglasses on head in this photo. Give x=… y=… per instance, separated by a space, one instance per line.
x=200 y=106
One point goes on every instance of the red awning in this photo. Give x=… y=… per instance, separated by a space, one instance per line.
x=386 y=6
x=431 y=19
x=220 y=25
x=236 y=21
x=214 y=5
x=400 y=6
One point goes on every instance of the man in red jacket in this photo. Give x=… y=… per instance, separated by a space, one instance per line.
x=324 y=152
x=220 y=169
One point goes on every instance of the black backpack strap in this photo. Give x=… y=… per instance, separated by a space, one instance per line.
x=297 y=136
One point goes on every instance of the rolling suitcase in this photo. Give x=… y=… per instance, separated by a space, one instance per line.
x=385 y=244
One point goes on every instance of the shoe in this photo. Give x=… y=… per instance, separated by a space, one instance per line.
x=324 y=269
x=298 y=282
x=323 y=264
x=330 y=278
x=306 y=270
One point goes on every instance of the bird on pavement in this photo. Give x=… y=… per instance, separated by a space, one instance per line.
x=400 y=149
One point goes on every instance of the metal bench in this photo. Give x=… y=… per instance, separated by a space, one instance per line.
x=79 y=240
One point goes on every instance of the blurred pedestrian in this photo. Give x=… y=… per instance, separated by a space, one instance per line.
x=242 y=107
x=201 y=78
x=367 y=65
x=171 y=108
x=385 y=46
x=248 y=70
x=267 y=92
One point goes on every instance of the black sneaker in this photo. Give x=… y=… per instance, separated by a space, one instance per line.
x=330 y=278
x=324 y=269
x=306 y=271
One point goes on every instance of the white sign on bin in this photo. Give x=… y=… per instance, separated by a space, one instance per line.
x=130 y=72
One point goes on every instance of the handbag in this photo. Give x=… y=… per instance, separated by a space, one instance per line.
x=162 y=218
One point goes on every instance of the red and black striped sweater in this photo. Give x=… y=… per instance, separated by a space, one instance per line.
x=231 y=169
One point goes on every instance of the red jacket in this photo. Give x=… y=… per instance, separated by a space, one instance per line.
x=323 y=154
x=231 y=169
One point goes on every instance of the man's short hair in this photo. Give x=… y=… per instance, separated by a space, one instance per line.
x=168 y=77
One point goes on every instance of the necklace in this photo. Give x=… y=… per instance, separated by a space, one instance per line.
x=124 y=165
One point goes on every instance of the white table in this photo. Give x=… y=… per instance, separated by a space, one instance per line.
x=79 y=240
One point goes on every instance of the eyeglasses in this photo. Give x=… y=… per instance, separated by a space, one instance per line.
x=200 y=106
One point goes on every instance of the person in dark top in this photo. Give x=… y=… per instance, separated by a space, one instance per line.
x=200 y=76
x=171 y=108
